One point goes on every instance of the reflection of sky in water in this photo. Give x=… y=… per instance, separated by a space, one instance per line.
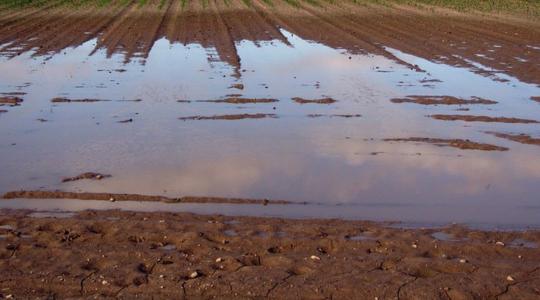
x=324 y=160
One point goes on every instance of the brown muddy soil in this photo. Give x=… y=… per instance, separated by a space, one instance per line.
x=10 y=100
x=238 y=100
x=520 y=138
x=468 y=118
x=132 y=197
x=537 y=99
x=131 y=29
x=3 y=111
x=232 y=117
x=326 y=100
x=442 y=100
x=115 y=254
x=87 y=175
x=455 y=143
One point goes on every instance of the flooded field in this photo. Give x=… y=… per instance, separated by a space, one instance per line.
x=261 y=149
x=346 y=124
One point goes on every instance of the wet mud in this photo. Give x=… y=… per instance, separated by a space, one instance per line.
x=190 y=256
x=133 y=197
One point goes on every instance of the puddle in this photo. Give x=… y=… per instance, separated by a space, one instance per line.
x=445 y=237
x=359 y=237
x=168 y=247
x=523 y=243
x=292 y=156
x=51 y=214
x=230 y=232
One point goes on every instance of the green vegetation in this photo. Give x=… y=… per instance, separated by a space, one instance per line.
x=247 y=3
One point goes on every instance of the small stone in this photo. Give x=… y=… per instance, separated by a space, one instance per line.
x=313 y=257
x=104 y=282
x=462 y=261
x=112 y=199
x=194 y=275
x=499 y=243
x=510 y=278
x=414 y=246
x=219 y=259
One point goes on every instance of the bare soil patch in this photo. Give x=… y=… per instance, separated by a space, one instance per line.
x=455 y=143
x=468 y=118
x=536 y=98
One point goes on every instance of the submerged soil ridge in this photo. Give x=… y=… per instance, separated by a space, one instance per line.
x=133 y=197
x=442 y=100
x=127 y=255
x=131 y=29
x=455 y=143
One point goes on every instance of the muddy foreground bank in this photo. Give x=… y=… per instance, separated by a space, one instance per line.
x=128 y=254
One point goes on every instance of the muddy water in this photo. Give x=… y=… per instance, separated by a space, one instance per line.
x=329 y=160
